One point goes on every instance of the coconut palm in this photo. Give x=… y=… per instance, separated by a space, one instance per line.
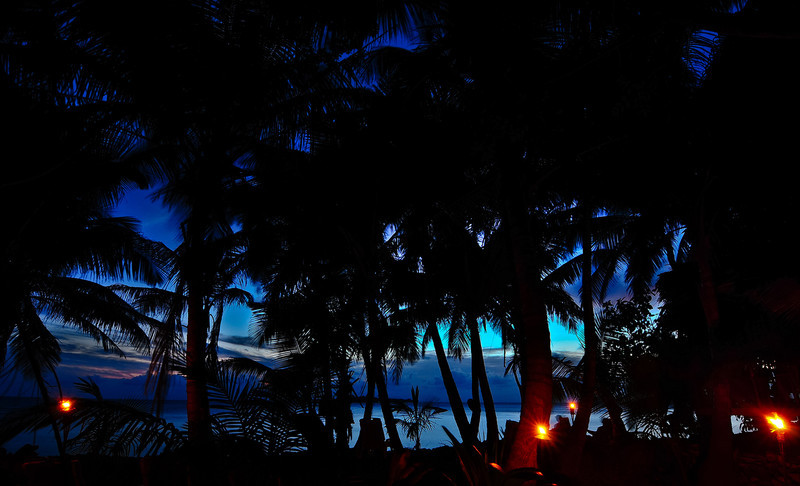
x=417 y=417
x=60 y=239
x=260 y=89
x=314 y=327
x=168 y=307
x=347 y=270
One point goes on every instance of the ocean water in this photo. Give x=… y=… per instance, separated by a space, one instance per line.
x=175 y=412
x=437 y=437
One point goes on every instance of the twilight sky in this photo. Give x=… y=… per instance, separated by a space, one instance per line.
x=156 y=224
x=124 y=377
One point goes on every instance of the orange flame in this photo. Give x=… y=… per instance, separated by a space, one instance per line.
x=541 y=432
x=776 y=421
x=65 y=405
x=573 y=405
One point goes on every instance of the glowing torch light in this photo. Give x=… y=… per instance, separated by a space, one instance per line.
x=778 y=425
x=541 y=432
x=572 y=408
x=65 y=405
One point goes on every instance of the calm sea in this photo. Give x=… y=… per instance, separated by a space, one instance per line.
x=175 y=412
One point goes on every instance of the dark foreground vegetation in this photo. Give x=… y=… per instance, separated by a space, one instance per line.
x=518 y=164
x=629 y=462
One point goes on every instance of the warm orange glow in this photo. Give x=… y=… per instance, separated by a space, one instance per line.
x=776 y=422
x=65 y=405
x=573 y=405
x=541 y=432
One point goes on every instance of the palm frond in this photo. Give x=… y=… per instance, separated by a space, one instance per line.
x=121 y=428
x=95 y=310
x=248 y=401
x=33 y=350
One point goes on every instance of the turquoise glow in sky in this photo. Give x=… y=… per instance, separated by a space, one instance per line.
x=158 y=224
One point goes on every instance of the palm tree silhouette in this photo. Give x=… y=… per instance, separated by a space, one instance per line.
x=60 y=239
x=417 y=417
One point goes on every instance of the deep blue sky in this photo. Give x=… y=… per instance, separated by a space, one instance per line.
x=157 y=224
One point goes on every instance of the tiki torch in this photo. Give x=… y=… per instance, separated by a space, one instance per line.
x=779 y=427
x=66 y=407
x=541 y=432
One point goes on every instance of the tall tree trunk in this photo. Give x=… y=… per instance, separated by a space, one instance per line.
x=718 y=467
x=386 y=407
x=328 y=411
x=345 y=416
x=479 y=371
x=570 y=460
x=474 y=403
x=536 y=370
x=376 y=380
x=200 y=466
x=537 y=382
x=456 y=405
x=378 y=376
x=369 y=402
x=197 y=408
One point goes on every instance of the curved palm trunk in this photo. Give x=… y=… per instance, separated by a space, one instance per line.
x=456 y=405
x=370 y=395
x=379 y=379
x=376 y=380
x=40 y=383
x=328 y=412
x=369 y=404
x=475 y=402
x=386 y=407
x=536 y=360
x=479 y=371
x=344 y=419
x=572 y=456
x=36 y=368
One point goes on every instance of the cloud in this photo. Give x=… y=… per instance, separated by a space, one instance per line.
x=236 y=349
x=120 y=377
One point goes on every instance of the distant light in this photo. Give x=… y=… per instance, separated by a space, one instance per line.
x=573 y=405
x=65 y=405
x=777 y=422
x=541 y=432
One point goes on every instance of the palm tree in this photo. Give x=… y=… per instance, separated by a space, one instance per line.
x=417 y=417
x=451 y=284
x=168 y=308
x=253 y=93
x=59 y=233
x=313 y=325
x=354 y=258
